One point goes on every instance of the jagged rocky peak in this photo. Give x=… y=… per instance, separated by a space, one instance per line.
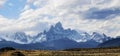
x=95 y=33
x=100 y=37
x=51 y=28
x=58 y=26
x=44 y=32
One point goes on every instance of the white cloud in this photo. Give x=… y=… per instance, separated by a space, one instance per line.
x=69 y=12
x=30 y=1
x=2 y=2
x=112 y=26
x=40 y=3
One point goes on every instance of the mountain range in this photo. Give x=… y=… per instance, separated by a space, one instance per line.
x=111 y=43
x=55 y=38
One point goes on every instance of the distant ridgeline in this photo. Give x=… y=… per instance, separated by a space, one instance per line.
x=57 y=38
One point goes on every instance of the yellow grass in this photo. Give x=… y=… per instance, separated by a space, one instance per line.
x=83 y=52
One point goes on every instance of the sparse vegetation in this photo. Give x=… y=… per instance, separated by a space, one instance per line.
x=6 y=49
x=17 y=54
x=68 y=52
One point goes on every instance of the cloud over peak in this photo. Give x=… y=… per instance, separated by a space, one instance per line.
x=86 y=15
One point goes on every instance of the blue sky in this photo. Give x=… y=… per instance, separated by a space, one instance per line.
x=33 y=16
x=12 y=8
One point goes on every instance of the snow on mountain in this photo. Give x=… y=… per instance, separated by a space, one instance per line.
x=58 y=32
x=55 y=32
x=99 y=37
x=18 y=37
x=84 y=37
x=39 y=38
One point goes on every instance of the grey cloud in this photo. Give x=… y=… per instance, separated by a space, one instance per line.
x=98 y=14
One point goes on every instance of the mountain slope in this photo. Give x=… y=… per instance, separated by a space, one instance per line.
x=64 y=43
x=111 y=43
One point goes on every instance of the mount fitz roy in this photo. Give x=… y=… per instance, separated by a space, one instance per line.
x=55 y=38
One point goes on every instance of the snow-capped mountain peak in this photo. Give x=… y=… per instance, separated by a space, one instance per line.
x=55 y=32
